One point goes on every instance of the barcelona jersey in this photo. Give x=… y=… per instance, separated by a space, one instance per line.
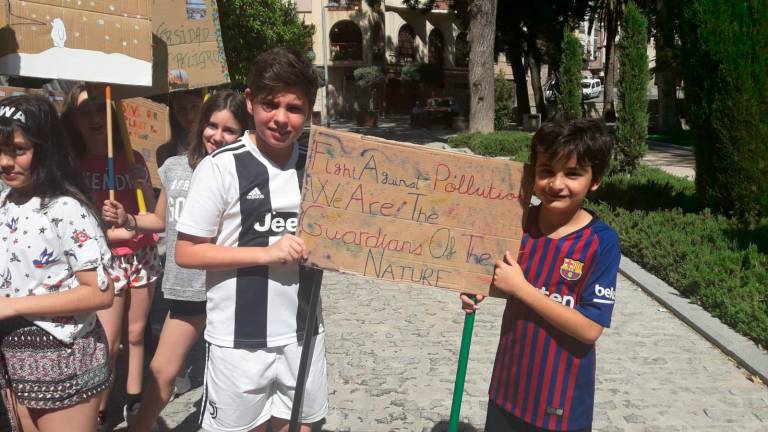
x=542 y=375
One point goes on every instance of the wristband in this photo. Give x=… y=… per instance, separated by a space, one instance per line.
x=135 y=224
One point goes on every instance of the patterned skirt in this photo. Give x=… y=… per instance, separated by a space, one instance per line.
x=44 y=372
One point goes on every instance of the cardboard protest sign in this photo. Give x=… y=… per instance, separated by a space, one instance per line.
x=188 y=49
x=98 y=41
x=190 y=28
x=148 y=128
x=57 y=98
x=406 y=213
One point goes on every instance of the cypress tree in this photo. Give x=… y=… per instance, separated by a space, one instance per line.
x=632 y=123
x=569 y=100
x=726 y=86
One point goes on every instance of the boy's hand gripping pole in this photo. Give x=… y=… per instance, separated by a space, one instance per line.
x=461 y=372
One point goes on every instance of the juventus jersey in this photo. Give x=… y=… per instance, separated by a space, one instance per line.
x=239 y=197
x=542 y=375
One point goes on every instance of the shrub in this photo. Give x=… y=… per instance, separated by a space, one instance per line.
x=724 y=47
x=707 y=257
x=513 y=144
x=504 y=102
x=648 y=189
x=569 y=100
x=632 y=124
x=369 y=77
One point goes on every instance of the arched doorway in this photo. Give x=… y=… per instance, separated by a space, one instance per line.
x=346 y=41
x=435 y=47
x=406 y=44
x=461 y=55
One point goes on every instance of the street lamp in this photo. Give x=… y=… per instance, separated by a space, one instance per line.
x=325 y=62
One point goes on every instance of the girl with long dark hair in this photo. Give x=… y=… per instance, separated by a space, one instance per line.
x=136 y=259
x=54 y=275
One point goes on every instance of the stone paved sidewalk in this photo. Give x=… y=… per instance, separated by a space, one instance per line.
x=392 y=353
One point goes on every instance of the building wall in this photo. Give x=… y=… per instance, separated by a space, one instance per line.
x=345 y=97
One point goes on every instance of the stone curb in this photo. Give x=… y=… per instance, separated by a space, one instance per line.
x=745 y=352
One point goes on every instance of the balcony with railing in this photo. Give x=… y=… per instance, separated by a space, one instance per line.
x=346 y=51
x=438 y=6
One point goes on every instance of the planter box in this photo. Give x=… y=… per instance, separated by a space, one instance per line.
x=368 y=118
x=459 y=123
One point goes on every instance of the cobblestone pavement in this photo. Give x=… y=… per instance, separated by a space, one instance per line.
x=392 y=353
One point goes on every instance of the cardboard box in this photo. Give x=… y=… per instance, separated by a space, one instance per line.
x=97 y=41
x=406 y=213
x=148 y=128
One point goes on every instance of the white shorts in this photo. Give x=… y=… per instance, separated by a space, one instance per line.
x=246 y=387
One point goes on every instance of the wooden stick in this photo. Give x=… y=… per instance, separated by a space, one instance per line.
x=110 y=144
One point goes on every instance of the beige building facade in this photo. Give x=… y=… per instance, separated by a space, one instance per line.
x=391 y=36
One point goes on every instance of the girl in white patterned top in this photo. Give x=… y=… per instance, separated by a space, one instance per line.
x=53 y=275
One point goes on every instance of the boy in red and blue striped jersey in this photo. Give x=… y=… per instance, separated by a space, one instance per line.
x=561 y=289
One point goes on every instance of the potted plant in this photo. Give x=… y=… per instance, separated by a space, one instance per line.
x=369 y=77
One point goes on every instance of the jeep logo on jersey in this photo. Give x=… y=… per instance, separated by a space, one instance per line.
x=605 y=295
x=277 y=223
x=571 y=269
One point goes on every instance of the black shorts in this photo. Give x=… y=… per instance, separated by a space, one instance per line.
x=499 y=420
x=184 y=308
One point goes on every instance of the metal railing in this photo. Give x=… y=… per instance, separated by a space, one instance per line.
x=346 y=51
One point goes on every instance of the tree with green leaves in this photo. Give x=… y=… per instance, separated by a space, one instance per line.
x=665 y=15
x=504 y=102
x=530 y=34
x=632 y=85
x=569 y=76
x=369 y=78
x=726 y=86
x=608 y=13
x=249 y=28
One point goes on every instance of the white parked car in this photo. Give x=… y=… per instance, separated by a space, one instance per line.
x=591 y=88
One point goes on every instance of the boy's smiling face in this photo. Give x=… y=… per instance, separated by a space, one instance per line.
x=562 y=184
x=278 y=120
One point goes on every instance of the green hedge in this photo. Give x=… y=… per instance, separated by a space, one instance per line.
x=649 y=189
x=514 y=144
x=706 y=257
x=709 y=258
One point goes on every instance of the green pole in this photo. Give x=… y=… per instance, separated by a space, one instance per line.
x=461 y=372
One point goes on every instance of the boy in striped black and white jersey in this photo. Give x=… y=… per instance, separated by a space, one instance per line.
x=561 y=289
x=239 y=224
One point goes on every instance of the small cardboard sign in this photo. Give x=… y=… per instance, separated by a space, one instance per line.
x=148 y=128
x=191 y=31
x=188 y=48
x=96 y=41
x=406 y=213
